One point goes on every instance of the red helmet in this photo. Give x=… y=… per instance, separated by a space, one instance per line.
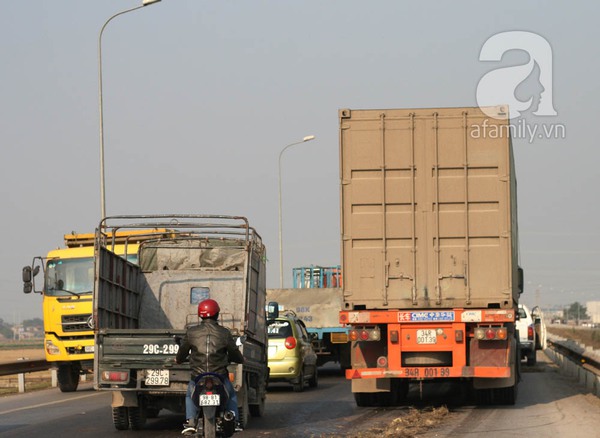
x=208 y=308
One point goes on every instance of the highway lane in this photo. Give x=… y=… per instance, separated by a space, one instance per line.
x=549 y=405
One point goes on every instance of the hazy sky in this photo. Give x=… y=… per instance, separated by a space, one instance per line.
x=201 y=96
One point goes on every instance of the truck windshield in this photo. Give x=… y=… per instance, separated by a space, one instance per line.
x=70 y=276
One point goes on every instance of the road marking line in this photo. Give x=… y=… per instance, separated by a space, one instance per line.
x=48 y=403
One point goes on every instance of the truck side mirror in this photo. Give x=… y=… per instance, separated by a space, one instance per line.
x=520 y=280
x=27 y=280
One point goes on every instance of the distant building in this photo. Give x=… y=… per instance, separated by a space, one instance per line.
x=593 y=311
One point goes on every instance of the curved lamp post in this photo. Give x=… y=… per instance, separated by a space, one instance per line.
x=304 y=140
x=102 y=194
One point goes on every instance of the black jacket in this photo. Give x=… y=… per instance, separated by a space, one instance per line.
x=212 y=348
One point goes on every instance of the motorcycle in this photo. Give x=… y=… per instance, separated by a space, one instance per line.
x=210 y=396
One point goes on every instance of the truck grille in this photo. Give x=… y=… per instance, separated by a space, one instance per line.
x=77 y=323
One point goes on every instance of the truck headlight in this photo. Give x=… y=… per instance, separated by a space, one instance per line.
x=52 y=349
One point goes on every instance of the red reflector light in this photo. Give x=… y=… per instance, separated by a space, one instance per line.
x=490 y=334
x=364 y=335
x=382 y=362
x=290 y=342
x=115 y=376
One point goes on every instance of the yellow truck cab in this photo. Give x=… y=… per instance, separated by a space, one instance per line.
x=67 y=302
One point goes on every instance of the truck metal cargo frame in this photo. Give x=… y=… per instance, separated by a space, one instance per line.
x=141 y=312
x=429 y=249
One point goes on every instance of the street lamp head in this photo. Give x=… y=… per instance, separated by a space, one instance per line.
x=149 y=2
x=308 y=138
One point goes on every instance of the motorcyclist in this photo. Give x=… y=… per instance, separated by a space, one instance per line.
x=211 y=348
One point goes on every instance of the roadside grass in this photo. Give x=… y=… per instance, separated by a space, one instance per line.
x=586 y=336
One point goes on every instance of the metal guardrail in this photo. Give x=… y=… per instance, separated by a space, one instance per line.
x=23 y=366
x=577 y=354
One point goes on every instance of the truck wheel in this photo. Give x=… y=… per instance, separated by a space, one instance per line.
x=120 y=418
x=313 y=382
x=506 y=396
x=483 y=396
x=68 y=377
x=299 y=386
x=137 y=417
x=244 y=408
x=364 y=399
x=258 y=410
x=531 y=358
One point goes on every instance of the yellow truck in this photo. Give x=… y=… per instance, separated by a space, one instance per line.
x=68 y=282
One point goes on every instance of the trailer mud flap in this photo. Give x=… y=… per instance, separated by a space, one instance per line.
x=371 y=385
x=124 y=399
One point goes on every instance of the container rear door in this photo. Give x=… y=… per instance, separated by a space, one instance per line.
x=426 y=209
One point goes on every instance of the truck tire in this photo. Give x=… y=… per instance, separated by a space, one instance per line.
x=68 y=377
x=120 y=418
x=313 y=382
x=244 y=408
x=531 y=358
x=137 y=417
x=506 y=396
x=364 y=399
x=258 y=409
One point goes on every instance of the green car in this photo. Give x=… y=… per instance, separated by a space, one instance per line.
x=291 y=355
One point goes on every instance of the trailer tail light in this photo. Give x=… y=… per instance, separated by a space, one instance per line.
x=382 y=362
x=459 y=336
x=491 y=333
x=290 y=342
x=365 y=334
x=530 y=332
x=115 y=376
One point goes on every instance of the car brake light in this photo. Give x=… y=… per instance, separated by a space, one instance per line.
x=290 y=342
x=530 y=332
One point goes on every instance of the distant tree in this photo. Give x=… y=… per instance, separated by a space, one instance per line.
x=576 y=312
x=5 y=329
x=35 y=322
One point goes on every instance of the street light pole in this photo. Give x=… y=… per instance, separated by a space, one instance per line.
x=100 y=102
x=304 y=140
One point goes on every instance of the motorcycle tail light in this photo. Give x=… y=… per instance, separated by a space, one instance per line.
x=290 y=343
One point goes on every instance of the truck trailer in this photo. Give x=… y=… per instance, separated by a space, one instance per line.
x=429 y=243
x=142 y=311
